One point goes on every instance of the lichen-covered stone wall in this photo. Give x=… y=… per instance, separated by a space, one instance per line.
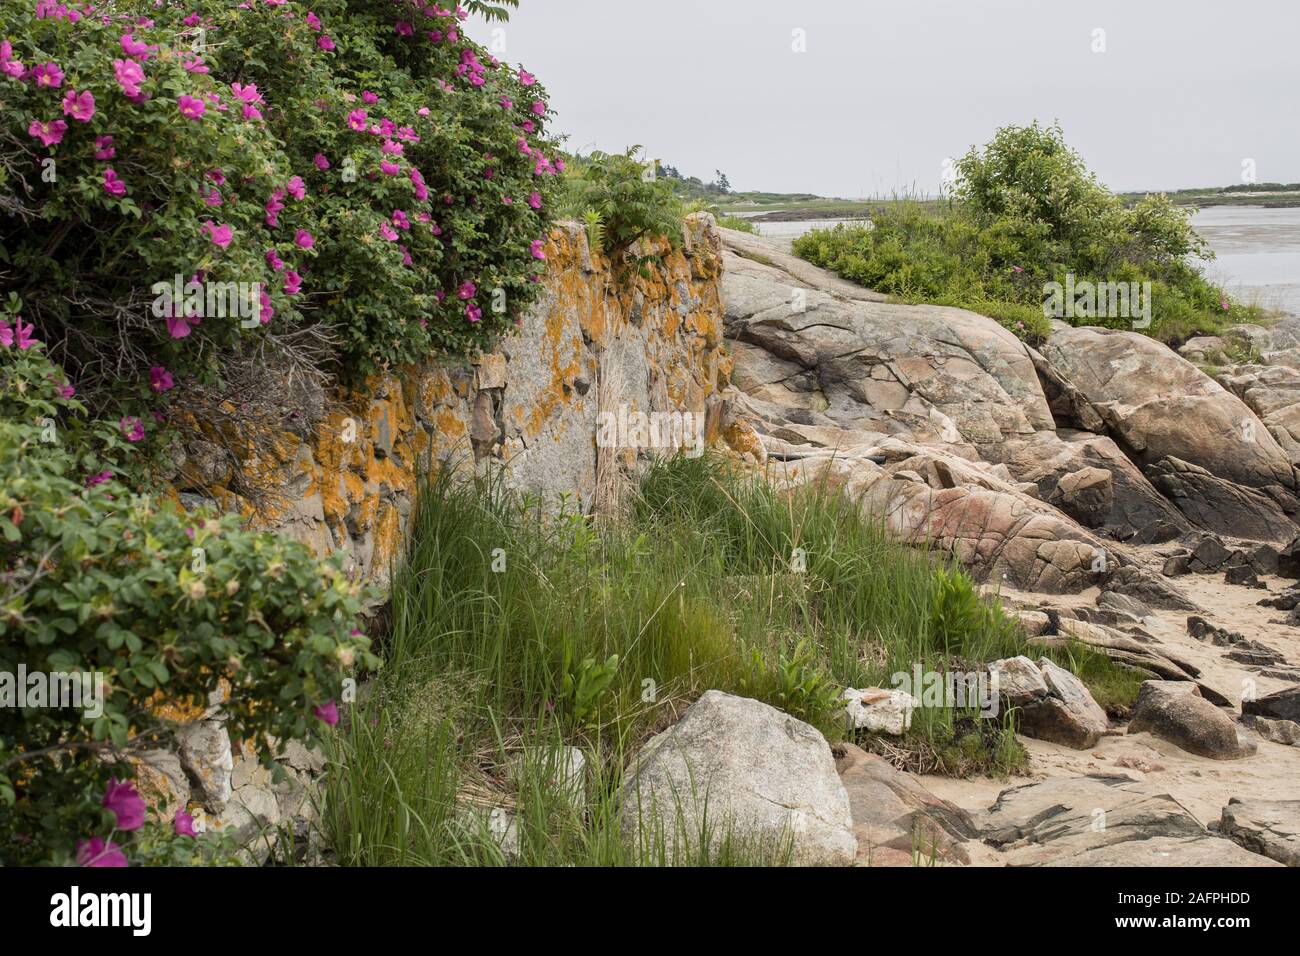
x=529 y=407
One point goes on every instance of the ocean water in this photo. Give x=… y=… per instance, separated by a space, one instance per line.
x=1257 y=253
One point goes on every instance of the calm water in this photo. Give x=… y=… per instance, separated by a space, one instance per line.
x=1257 y=253
x=1257 y=250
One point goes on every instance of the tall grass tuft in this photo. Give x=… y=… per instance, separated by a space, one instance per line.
x=518 y=631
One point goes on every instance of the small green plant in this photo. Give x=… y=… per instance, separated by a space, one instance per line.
x=622 y=194
x=796 y=682
x=584 y=684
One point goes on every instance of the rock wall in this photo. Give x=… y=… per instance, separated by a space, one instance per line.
x=595 y=340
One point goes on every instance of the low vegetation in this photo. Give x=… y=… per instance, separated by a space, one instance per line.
x=159 y=604
x=1025 y=213
x=514 y=635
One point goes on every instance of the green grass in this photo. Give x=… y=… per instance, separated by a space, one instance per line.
x=598 y=634
x=1114 y=688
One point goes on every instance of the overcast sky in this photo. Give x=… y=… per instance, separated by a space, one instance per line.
x=1184 y=92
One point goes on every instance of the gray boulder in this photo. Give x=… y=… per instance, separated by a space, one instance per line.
x=735 y=766
x=1052 y=703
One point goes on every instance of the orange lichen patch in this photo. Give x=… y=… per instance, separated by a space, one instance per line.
x=388 y=537
x=563 y=372
x=741 y=438
x=184 y=711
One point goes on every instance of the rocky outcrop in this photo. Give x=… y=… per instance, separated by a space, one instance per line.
x=735 y=768
x=1219 y=463
x=1282 y=705
x=819 y=354
x=1268 y=827
x=344 y=481
x=935 y=420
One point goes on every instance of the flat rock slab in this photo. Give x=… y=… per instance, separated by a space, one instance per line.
x=896 y=820
x=1102 y=820
x=1270 y=827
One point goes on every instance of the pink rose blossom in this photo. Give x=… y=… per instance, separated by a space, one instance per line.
x=129 y=76
x=132 y=430
x=328 y=712
x=48 y=76
x=49 y=133
x=112 y=184
x=191 y=107
x=99 y=852
x=120 y=798
x=160 y=380
x=183 y=824
x=104 y=148
x=21 y=335
x=221 y=235
x=80 y=106
x=303 y=239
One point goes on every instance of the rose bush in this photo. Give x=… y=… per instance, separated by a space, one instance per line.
x=369 y=175
x=164 y=606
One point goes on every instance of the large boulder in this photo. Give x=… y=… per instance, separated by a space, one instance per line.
x=1101 y=820
x=1053 y=704
x=1268 y=827
x=735 y=766
x=1176 y=711
x=1157 y=405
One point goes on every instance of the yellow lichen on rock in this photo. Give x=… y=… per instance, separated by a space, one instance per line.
x=529 y=407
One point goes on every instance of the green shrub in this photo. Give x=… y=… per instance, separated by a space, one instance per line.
x=377 y=182
x=622 y=200
x=159 y=604
x=1025 y=212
